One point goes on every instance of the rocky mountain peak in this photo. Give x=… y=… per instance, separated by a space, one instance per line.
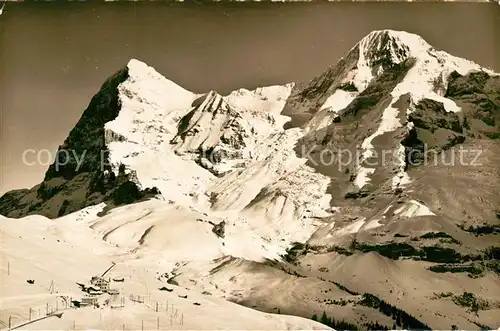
x=389 y=46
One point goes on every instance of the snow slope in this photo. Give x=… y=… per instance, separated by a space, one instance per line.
x=269 y=99
x=140 y=136
x=149 y=120
x=366 y=62
x=427 y=79
x=218 y=153
x=413 y=208
x=66 y=251
x=218 y=161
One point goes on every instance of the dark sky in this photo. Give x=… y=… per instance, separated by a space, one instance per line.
x=54 y=57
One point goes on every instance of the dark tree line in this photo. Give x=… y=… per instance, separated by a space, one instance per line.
x=343 y=325
x=484 y=229
x=331 y=322
x=402 y=318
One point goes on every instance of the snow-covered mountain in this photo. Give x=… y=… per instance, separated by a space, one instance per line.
x=299 y=187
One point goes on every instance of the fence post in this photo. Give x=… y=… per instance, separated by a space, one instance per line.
x=29 y=315
x=158 y=323
x=142 y=325
x=156 y=306
x=10 y=321
x=182 y=319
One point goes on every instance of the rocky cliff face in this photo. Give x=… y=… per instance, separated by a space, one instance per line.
x=141 y=133
x=80 y=175
x=222 y=136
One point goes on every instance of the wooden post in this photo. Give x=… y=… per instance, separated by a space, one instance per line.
x=47 y=308
x=30 y=315
x=123 y=327
x=142 y=325
x=182 y=319
x=158 y=323
x=156 y=306
x=10 y=321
